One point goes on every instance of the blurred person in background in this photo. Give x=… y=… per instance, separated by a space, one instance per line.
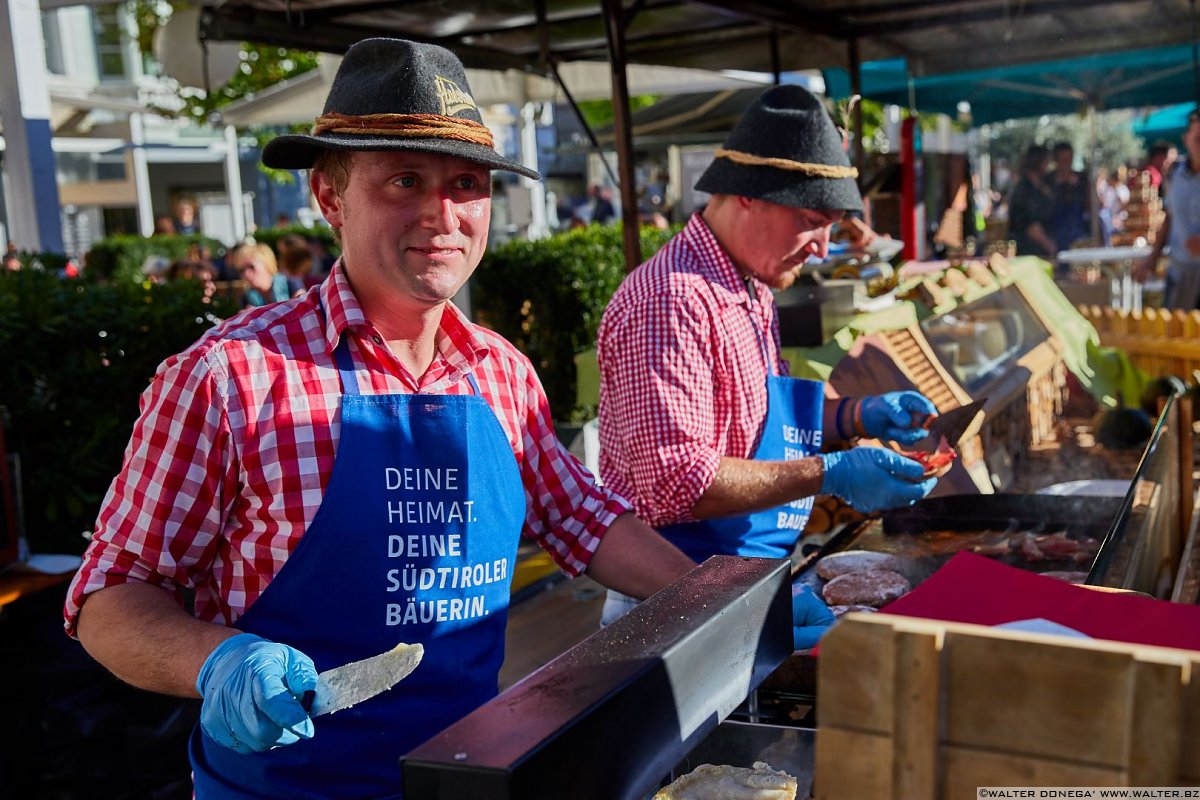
x=1071 y=218
x=164 y=226
x=12 y=262
x=1112 y=193
x=185 y=217
x=296 y=263
x=1179 y=234
x=202 y=272
x=1031 y=207
x=257 y=265
x=1158 y=161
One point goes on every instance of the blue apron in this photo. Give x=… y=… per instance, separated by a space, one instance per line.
x=791 y=431
x=414 y=541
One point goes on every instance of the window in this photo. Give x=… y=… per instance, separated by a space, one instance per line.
x=109 y=24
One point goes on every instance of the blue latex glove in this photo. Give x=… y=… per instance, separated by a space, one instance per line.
x=810 y=618
x=250 y=688
x=896 y=416
x=872 y=478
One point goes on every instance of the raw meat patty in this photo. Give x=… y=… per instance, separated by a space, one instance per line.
x=868 y=587
x=836 y=564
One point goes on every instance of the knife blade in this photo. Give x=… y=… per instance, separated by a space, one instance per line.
x=350 y=684
x=953 y=425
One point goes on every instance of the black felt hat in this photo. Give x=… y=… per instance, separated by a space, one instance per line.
x=392 y=94
x=786 y=150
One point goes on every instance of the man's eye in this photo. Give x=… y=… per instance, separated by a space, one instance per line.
x=407 y=181
x=468 y=182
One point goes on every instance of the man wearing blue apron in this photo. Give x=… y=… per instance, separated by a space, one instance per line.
x=348 y=470
x=699 y=424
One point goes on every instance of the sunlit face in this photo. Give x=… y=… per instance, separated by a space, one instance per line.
x=772 y=239
x=255 y=273
x=413 y=225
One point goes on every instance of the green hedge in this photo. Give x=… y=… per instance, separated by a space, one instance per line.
x=271 y=236
x=546 y=297
x=74 y=357
x=120 y=258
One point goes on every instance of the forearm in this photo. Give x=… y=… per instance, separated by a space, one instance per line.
x=743 y=486
x=634 y=560
x=143 y=637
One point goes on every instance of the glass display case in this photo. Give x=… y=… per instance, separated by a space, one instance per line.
x=980 y=342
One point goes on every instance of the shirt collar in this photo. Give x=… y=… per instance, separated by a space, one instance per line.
x=457 y=341
x=730 y=285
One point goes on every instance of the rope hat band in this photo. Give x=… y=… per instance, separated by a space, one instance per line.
x=422 y=126
x=816 y=170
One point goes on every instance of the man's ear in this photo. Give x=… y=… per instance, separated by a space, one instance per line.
x=328 y=199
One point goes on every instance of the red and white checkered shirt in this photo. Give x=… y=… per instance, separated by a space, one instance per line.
x=236 y=441
x=682 y=374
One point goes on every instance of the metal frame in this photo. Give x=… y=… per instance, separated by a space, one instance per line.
x=612 y=716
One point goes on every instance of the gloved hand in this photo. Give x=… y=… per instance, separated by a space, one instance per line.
x=873 y=478
x=810 y=618
x=251 y=688
x=896 y=416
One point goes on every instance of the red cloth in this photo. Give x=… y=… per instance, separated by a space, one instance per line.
x=682 y=374
x=229 y=459
x=975 y=589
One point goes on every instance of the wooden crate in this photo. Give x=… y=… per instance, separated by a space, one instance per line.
x=1159 y=341
x=913 y=708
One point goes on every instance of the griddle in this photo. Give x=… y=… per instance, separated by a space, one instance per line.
x=789 y=694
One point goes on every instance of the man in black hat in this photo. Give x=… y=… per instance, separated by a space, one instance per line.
x=698 y=424
x=347 y=470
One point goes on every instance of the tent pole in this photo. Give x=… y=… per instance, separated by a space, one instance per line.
x=776 y=64
x=591 y=134
x=1093 y=154
x=614 y=28
x=858 y=157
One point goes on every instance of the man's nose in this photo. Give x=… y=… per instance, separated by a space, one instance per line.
x=821 y=241
x=437 y=211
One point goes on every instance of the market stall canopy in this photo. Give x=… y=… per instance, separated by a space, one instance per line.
x=302 y=98
x=1149 y=77
x=1164 y=123
x=754 y=35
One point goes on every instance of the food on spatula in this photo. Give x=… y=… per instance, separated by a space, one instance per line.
x=938 y=462
x=708 y=782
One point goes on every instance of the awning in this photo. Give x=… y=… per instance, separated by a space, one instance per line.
x=1151 y=77
x=756 y=35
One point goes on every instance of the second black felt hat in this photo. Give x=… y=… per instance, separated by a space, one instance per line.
x=786 y=150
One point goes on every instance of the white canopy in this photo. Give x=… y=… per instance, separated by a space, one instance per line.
x=302 y=98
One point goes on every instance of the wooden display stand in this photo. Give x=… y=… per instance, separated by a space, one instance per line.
x=919 y=708
x=1159 y=341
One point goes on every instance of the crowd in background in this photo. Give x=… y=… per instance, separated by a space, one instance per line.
x=1049 y=205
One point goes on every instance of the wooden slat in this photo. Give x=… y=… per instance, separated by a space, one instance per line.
x=857 y=678
x=1058 y=702
x=1157 y=725
x=917 y=718
x=966 y=769
x=852 y=764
